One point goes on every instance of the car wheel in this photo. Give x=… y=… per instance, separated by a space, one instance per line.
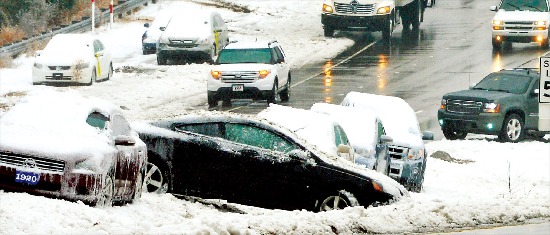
x=387 y=31
x=415 y=14
x=156 y=180
x=512 y=130
x=337 y=201
x=161 y=60
x=285 y=95
x=93 y=78
x=544 y=44
x=110 y=74
x=105 y=197
x=272 y=98
x=452 y=134
x=212 y=101
x=497 y=45
x=329 y=31
x=138 y=187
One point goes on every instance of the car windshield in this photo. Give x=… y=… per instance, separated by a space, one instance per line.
x=524 y=5
x=238 y=56
x=511 y=83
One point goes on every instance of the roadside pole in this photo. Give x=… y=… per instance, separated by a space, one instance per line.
x=111 y=15
x=544 y=94
x=93 y=15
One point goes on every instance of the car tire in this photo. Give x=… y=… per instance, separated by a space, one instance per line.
x=212 y=101
x=388 y=30
x=285 y=95
x=93 y=78
x=452 y=134
x=156 y=178
x=512 y=129
x=497 y=45
x=328 y=31
x=336 y=201
x=272 y=97
x=161 y=60
x=544 y=44
x=415 y=12
x=110 y=73
x=105 y=197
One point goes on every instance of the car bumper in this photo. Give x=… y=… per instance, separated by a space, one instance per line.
x=483 y=123
x=248 y=93
x=521 y=36
x=45 y=75
x=149 y=47
x=360 y=23
x=70 y=186
x=184 y=50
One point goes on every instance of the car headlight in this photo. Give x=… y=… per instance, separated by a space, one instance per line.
x=498 y=22
x=82 y=65
x=498 y=25
x=216 y=74
x=264 y=73
x=327 y=8
x=415 y=154
x=37 y=65
x=491 y=107
x=383 y=10
x=540 y=23
x=443 y=104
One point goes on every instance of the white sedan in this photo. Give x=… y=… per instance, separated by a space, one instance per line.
x=72 y=58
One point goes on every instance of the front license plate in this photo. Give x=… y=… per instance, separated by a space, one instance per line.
x=26 y=177
x=57 y=76
x=238 y=87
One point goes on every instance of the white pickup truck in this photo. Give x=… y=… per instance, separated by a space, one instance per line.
x=372 y=15
x=521 y=21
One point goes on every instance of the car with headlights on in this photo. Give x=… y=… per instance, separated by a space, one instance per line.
x=198 y=35
x=504 y=103
x=407 y=151
x=72 y=59
x=521 y=21
x=63 y=145
x=248 y=160
x=250 y=70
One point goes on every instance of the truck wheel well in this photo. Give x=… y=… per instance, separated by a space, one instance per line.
x=516 y=111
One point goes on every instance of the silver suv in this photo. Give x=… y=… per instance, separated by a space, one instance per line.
x=250 y=70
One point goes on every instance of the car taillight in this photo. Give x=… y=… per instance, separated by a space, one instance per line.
x=216 y=74
x=263 y=73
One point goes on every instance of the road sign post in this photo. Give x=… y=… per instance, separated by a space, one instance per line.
x=544 y=94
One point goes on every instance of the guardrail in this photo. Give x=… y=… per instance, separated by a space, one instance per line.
x=124 y=7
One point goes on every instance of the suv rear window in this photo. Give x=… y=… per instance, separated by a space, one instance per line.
x=237 y=56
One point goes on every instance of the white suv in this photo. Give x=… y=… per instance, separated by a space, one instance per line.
x=521 y=21
x=249 y=70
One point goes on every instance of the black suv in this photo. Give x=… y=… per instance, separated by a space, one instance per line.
x=504 y=103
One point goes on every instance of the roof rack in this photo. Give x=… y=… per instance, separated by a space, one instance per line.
x=528 y=70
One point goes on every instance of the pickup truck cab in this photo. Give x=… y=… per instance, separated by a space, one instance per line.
x=523 y=21
x=504 y=103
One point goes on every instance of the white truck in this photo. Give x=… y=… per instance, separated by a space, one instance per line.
x=372 y=15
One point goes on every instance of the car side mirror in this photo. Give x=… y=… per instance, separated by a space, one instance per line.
x=493 y=8
x=386 y=139
x=146 y=25
x=299 y=155
x=162 y=28
x=472 y=85
x=125 y=140
x=427 y=135
x=99 y=54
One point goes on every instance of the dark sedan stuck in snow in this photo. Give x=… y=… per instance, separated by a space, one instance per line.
x=247 y=160
x=62 y=145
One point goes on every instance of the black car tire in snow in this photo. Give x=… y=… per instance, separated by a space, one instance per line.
x=512 y=129
x=497 y=45
x=337 y=200
x=453 y=134
x=212 y=101
x=161 y=60
x=272 y=98
x=93 y=78
x=105 y=197
x=110 y=72
x=329 y=31
x=285 y=95
x=415 y=12
x=156 y=179
x=388 y=29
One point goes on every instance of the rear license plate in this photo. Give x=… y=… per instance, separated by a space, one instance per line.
x=57 y=76
x=26 y=177
x=238 y=87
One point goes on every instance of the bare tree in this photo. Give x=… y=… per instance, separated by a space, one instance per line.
x=37 y=17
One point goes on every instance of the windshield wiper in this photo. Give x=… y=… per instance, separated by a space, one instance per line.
x=479 y=88
x=534 y=7
x=510 y=4
x=501 y=90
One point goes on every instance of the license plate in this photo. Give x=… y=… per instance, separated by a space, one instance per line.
x=238 y=87
x=26 y=177
x=57 y=76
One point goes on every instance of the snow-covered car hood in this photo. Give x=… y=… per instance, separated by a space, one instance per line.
x=53 y=124
x=173 y=32
x=406 y=139
x=241 y=67
x=521 y=15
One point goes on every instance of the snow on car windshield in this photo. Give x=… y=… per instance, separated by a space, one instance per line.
x=238 y=56
x=67 y=44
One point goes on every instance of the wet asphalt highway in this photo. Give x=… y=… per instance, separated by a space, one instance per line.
x=451 y=50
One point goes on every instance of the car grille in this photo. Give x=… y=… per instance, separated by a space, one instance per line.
x=182 y=43
x=59 y=78
x=348 y=8
x=45 y=164
x=58 y=68
x=239 y=77
x=464 y=106
x=397 y=152
x=519 y=25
